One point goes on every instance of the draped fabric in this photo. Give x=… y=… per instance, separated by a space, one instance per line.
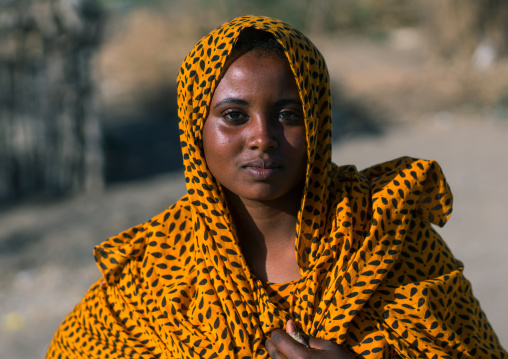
x=377 y=279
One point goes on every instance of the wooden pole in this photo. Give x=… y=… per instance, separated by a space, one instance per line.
x=50 y=136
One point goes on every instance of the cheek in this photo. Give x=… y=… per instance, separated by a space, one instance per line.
x=218 y=145
x=297 y=140
x=208 y=141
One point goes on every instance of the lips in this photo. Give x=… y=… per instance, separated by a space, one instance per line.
x=263 y=169
x=262 y=163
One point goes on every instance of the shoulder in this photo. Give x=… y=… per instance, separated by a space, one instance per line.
x=414 y=167
x=404 y=184
x=146 y=239
x=412 y=184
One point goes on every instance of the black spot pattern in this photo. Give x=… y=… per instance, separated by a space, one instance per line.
x=376 y=278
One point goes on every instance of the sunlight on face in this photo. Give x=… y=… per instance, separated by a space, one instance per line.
x=254 y=136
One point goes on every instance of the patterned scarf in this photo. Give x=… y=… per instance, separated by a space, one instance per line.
x=376 y=277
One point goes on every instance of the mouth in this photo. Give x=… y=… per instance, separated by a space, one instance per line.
x=263 y=170
x=262 y=164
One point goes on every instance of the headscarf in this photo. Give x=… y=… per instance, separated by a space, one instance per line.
x=376 y=277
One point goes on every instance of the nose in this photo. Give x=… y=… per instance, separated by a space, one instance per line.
x=263 y=134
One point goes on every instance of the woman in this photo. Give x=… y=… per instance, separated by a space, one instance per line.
x=274 y=239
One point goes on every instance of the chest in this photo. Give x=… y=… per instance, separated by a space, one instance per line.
x=276 y=264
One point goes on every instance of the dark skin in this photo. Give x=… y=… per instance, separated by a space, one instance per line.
x=273 y=258
x=282 y=346
x=255 y=146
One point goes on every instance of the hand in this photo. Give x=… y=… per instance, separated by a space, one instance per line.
x=282 y=346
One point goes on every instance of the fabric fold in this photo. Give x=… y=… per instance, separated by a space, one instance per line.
x=377 y=278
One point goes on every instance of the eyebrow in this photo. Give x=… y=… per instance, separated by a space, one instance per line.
x=231 y=100
x=237 y=101
x=289 y=102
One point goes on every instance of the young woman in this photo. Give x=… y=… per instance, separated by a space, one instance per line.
x=275 y=251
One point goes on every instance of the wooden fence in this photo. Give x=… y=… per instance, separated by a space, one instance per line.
x=50 y=137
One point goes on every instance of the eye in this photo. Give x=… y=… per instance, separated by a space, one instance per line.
x=290 y=117
x=235 y=117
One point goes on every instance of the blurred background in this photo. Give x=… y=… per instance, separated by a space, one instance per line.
x=89 y=141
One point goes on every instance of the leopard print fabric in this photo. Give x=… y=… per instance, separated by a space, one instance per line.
x=376 y=277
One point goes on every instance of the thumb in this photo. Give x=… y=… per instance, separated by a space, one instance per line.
x=292 y=330
x=321 y=344
x=291 y=326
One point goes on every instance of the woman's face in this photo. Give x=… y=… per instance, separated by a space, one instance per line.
x=254 y=136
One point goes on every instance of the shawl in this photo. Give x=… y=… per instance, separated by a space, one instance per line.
x=377 y=279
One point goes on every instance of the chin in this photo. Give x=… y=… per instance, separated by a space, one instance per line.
x=262 y=197
x=257 y=193
x=271 y=194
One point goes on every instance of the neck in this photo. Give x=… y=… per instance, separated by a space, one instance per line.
x=259 y=220
x=266 y=232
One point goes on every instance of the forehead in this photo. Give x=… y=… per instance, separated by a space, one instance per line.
x=257 y=71
x=255 y=53
x=256 y=60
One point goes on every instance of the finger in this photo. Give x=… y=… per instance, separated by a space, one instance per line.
x=291 y=326
x=273 y=351
x=286 y=345
x=321 y=344
x=292 y=330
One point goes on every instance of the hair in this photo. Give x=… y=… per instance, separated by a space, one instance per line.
x=251 y=39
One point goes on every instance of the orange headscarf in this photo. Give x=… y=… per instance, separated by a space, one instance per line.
x=376 y=278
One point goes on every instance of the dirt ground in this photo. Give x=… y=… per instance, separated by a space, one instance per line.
x=46 y=247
